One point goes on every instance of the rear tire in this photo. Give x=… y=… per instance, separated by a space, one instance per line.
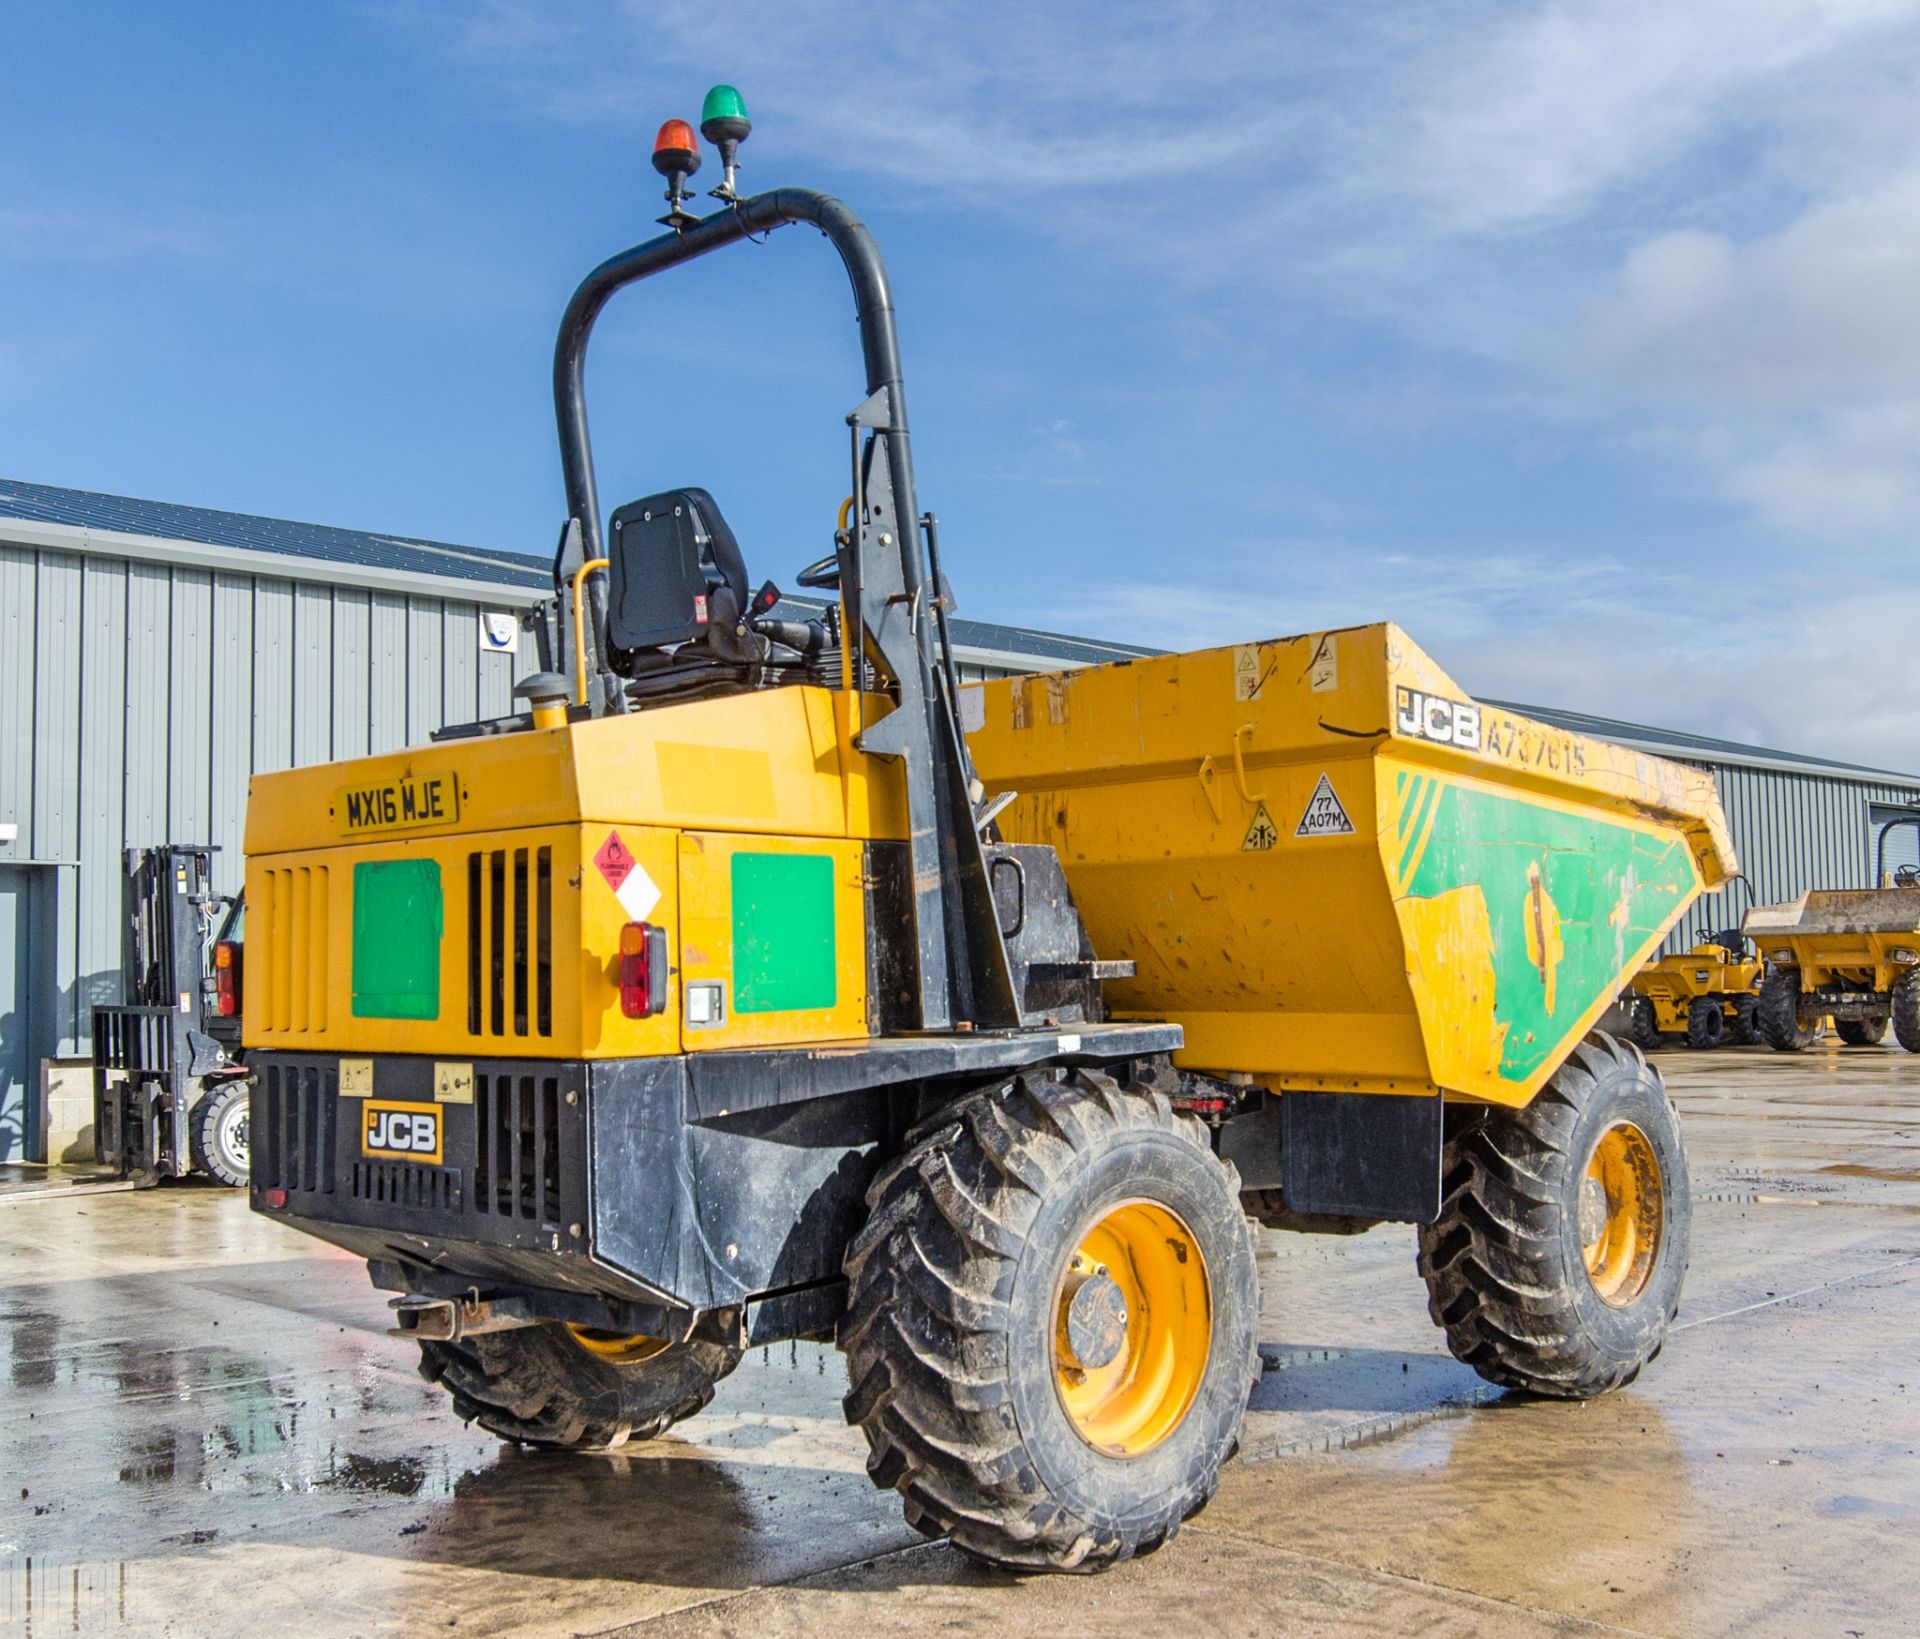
x=1906 y=1012
x=959 y=1320
x=1556 y=1263
x=1778 y=1014
x=217 y=1132
x=543 y=1386
x=1862 y=1032
x=1706 y=1022
x=1643 y=1023
x=1744 y=1030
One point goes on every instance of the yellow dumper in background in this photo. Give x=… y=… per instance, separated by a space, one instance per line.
x=1849 y=953
x=1709 y=995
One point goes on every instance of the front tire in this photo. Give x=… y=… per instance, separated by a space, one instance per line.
x=1643 y=1023
x=1052 y=1324
x=1906 y=1012
x=1706 y=1022
x=218 y=1134
x=1862 y=1032
x=570 y=1389
x=1778 y=1013
x=1744 y=1030
x=1556 y=1263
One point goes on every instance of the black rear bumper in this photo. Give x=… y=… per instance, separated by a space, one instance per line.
x=714 y=1192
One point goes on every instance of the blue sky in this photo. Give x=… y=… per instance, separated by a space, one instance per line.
x=1582 y=339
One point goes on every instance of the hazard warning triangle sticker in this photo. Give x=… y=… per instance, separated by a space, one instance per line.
x=1262 y=834
x=627 y=877
x=1324 y=816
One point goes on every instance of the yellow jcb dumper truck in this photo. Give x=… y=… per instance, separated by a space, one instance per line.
x=1709 y=995
x=756 y=981
x=1851 y=954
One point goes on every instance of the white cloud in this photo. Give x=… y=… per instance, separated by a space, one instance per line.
x=1797 y=352
x=1819 y=663
x=1550 y=110
x=1823 y=663
x=1822 y=309
x=1692 y=229
x=1855 y=477
x=1453 y=606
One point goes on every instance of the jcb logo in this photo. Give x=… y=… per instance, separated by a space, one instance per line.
x=1434 y=717
x=408 y=1131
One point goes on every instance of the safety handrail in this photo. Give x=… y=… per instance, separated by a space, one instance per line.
x=579 y=632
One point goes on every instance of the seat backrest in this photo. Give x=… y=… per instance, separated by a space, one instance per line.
x=665 y=554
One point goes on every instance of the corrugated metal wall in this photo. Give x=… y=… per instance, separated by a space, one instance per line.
x=1794 y=832
x=137 y=697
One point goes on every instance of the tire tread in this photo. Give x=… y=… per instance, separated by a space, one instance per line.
x=1491 y=1258
x=930 y=1279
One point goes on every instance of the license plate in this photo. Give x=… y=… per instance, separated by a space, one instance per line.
x=396 y=805
x=402 y=1132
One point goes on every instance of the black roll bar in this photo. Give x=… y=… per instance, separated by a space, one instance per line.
x=1880 y=845
x=879 y=347
x=965 y=976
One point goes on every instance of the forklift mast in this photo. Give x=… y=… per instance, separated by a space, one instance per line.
x=154 y=1053
x=169 y=902
x=893 y=615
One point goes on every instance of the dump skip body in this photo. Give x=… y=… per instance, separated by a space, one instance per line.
x=1339 y=872
x=1863 y=937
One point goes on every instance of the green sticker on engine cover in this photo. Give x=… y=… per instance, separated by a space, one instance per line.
x=783 y=933
x=397 y=922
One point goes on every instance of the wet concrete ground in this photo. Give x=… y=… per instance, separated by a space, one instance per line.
x=204 y=1431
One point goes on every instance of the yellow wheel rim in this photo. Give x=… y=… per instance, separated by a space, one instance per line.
x=1622 y=1204
x=1133 y=1328
x=622 y=1348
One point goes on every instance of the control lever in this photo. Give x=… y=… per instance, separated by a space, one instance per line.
x=808 y=637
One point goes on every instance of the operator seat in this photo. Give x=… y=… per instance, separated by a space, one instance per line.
x=677 y=590
x=1732 y=941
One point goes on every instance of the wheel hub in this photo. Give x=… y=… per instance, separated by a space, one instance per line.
x=1620 y=1212
x=1094 y=1315
x=1593 y=1210
x=1133 y=1328
x=233 y=1134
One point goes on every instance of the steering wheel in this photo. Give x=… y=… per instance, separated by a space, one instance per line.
x=823 y=574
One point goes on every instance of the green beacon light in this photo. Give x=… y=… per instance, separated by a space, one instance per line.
x=724 y=123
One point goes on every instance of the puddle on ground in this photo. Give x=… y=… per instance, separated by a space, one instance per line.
x=1852 y=1507
x=1885 y=1175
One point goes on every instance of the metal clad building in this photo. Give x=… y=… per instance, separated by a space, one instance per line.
x=153 y=656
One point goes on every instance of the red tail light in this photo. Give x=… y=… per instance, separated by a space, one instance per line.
x=226 y=978
x=643 y=970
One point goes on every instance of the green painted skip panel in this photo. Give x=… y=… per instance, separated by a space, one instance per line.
x=1614 y=889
